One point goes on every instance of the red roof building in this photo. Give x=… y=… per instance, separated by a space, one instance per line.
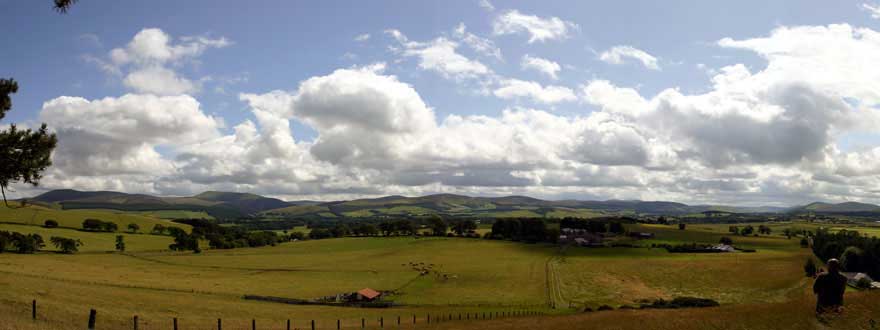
x=368 y=294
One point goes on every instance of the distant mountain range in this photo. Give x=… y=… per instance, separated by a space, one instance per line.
x=230 y=205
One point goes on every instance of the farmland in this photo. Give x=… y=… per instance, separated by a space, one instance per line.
x=481 y=275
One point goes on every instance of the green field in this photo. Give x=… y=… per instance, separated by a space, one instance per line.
x=480 y=274
x=95 y=242
x=37 y=215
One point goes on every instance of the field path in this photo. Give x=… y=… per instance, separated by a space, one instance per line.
x=555 y=297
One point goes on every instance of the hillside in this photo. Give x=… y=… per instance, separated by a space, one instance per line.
x=214 y=203
x=228 y=205
x=841 y=208
x=508 y=206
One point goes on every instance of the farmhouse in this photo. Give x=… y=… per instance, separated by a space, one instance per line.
x=367 y=294
x=580 y=237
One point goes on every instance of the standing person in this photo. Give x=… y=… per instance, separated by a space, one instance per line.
x=829 y=288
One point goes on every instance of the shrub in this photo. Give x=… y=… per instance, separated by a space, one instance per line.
x=682 y=226
x=604 y=308
x=863 y=283
x=726 y=240
x=810 y=267
x=50 y=223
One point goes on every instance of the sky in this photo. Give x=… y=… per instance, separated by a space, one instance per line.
x=701 y=102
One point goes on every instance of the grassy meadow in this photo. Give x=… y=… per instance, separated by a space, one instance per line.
x=480 y=276
x=37 y=215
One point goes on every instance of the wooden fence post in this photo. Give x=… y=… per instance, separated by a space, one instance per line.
x=313 y=324
x=253 y=324
x=175 y=323
x=414 y=318
x=398 y=320
x=338 y=324
x=219 y=324
x=92 y=315
x=288 y=324
x=135 y=322
x=34 y=309
x=381 y=322
x=363 y=323
x=429 y=318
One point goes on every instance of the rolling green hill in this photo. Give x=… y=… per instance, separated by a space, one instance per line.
x=846 y=207
x=216 y=204
x=231 y=205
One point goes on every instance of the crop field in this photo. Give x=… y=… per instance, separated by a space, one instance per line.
x=467 y=275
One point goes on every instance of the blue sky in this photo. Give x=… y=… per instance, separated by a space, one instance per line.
x=276 y=45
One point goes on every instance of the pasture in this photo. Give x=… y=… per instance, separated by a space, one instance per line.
x=472 y=275
x=36 y=215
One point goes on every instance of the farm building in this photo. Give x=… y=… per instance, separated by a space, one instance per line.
x=580 y=237
x=723 y=248
x=368 y=294
x=640 y=235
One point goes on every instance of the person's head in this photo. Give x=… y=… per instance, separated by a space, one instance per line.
x=833 y=265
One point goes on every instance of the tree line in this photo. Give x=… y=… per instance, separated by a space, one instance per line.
x=856 y=252
x=31 y=243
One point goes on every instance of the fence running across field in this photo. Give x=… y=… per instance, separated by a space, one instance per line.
x=409 y=321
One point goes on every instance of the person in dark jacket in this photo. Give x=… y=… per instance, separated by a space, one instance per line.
x=829 y=288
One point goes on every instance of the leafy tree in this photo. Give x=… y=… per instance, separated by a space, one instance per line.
x=66 y=245
x=464 y=226
x=50 y=223
x=27 y=244
x=133 y=227
x=120 y=243
x=158 y=229
x=733 y=230
x=853 y=259
x=810 y=267
x=24 y=154
x=764 y=230
x=405 y=227
x=185 y=242
x=662 y=221
x=297 y=235
x=386 y=227
x=726 y=240
x=596 y=227
x=438 y=226
x=616 y=227
x=747 y=230
x=320 y=233
x=805 y=243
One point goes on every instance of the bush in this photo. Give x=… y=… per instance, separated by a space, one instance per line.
x=604 y=308
x=50 y=223
x=810 y=267
x=726 y=240
x=682 y=226
x=863 y=283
